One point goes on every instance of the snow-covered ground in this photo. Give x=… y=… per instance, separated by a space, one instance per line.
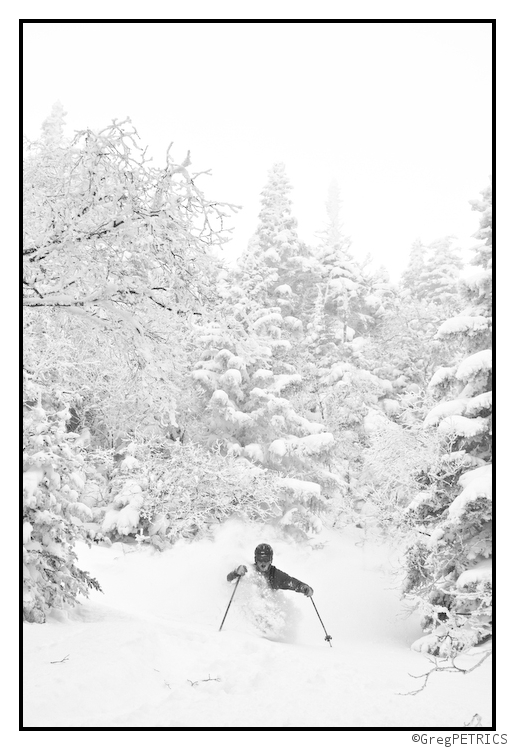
x=148 y=653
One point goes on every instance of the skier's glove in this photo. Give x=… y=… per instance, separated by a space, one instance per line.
x=240 y=570
x=306 y=590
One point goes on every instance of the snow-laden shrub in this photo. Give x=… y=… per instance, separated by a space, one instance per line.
x=170 y=490
x=394 y=461
x=161 y=491
x=53 y=516
x=118 y=384
x=303 y=502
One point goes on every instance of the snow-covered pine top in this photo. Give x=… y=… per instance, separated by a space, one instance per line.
x=254 y=452
x=232 y=376
x=442 y=375
x=231 y=381
x=206 y=378
x=337 y=372
x=267 y=319
x=263 y=375
x=282 y=415
x=281 y=382
x=473 y=365
x=284 y=236
x=373 y=301
x=375 y=420
x=300 y=489
x=272 y=255
x=303 y=447
x=479 y=403
x=462 y=324
x=480 y=572
x=421 y=498
x=467 y=391
x=339 y=264
x=285 y=367
x=259 y=393
x=294 y=324
x=358 y=344
x=476 y=483
x=445 y=409
x=464 y=426
x=221 y=399
x=279 y=344
x=220 y=402
x=304 y=425
x=477 y=279
x=341 y=283
x=238 y=363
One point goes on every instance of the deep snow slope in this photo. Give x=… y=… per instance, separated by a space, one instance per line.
x=147 y=652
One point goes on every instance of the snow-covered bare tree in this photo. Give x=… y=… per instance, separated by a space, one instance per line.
x=103 y=229
x=116 y=259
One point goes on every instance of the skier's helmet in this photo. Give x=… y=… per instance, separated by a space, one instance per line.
x=263 y=553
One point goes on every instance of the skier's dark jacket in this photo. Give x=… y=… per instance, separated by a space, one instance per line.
x=275 y=578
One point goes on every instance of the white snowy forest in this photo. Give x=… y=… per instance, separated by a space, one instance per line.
x=178 y=410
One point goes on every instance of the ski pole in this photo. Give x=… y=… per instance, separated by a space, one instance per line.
x=230 y=600
x=327 y=638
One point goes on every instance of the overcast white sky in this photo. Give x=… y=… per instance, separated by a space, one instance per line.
x=398 y=113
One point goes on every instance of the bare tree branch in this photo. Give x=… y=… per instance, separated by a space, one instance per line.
x=439 y=668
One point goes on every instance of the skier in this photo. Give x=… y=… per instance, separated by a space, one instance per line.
x=274 y=577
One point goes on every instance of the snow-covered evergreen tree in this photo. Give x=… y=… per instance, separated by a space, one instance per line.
x=340 y=278
x=439 y=279
x=432 y=274
x=340 y=386
x=416 y=264
x=468 y=416
x=247 y=382
x=53 y=515
x=285 y=261
x=403 y=344
x=52 y=129
x=404 y=350
x=277 y=227
x=449 y=574
x=348 y=299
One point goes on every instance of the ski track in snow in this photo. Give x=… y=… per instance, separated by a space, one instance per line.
x=135 y=650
